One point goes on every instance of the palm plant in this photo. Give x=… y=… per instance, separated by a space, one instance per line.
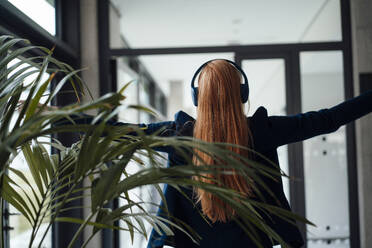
x=100 y=157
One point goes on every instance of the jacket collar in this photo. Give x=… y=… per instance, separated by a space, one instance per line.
x=181 y=118
x=184 y=124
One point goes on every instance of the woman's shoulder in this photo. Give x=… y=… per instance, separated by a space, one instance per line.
x=181 y=117
x=260 y=114
x=184 y=123
x=259 y=124
x=259 y=119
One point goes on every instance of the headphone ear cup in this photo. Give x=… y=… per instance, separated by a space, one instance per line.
x=194 y=94
x=244 y=92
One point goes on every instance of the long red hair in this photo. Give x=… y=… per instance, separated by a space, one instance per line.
x=221 y=118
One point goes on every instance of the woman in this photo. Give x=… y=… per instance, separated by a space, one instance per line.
x=220 y=118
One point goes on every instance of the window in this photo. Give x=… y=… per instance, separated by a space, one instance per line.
x=55 y=23
x=21 y=231
x=41 y=11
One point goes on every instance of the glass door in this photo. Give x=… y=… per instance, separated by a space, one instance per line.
x=325 y=156
x=302 y=82
x=267 y=86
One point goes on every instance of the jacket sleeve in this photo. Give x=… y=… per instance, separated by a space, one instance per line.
x=147 y=128
x=166 y=128
x=288 y=129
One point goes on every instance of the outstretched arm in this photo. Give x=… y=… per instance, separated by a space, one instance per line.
x=289 y=129
x=147 y=128
x=164 y=129
x=166 y=126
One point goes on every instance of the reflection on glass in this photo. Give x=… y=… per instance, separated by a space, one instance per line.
x=40 y=11
x=21 y=234
x=267 y=88
x=222 y=23
x=325 y=161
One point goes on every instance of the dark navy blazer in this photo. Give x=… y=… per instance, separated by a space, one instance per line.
x=269 y=132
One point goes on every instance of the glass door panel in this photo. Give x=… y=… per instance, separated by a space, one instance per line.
x=267 y=88
x=325 y=159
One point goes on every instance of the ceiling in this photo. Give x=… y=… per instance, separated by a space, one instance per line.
x=178 y=23
x=187 y=23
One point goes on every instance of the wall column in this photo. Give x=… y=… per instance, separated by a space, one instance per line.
x=361 y=25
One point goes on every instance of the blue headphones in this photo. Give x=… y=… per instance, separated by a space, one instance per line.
x=244 y=88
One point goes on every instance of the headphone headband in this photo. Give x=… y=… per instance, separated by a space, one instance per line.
x=244 y=88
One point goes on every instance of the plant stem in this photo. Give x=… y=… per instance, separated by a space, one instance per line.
x=35 y=227
x=56 y=213
x=2 y=223
x=88 y=240
x=71 y=189
x=34 y=232
x=2 y=208
x=81 y=228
